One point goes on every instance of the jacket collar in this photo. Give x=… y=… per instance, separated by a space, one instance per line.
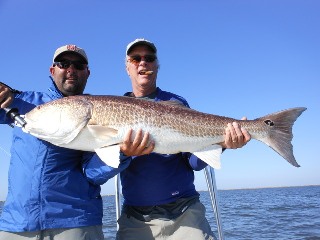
x=153 y=95
x=53 y=89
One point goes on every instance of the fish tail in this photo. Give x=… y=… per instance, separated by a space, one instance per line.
x=280 y=135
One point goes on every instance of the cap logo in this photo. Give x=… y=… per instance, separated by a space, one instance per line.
x=70 y=48
x=73 y=48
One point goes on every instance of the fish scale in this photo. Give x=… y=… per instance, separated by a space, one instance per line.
x=182 y=119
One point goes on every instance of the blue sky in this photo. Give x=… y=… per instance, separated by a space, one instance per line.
x=232 y=58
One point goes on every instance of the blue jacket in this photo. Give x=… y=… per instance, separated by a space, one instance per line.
x=157 y=179
x=50 y=186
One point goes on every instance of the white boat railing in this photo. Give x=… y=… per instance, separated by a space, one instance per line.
x=117 y=196
x=212 y=188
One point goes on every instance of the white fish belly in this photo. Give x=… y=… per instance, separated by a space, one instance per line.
x=170 y=141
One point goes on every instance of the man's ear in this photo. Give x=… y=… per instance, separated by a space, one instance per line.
x=51 y=69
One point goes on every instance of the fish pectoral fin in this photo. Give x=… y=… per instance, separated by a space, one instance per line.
x=102 y=131
x=210 y=155
x=110 y=155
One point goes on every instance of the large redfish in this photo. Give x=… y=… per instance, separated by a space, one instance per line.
x=99 y=123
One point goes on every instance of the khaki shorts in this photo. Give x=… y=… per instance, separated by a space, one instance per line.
x=191 y=225
x=82 y=233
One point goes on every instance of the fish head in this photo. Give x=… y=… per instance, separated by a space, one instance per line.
x=59 y=121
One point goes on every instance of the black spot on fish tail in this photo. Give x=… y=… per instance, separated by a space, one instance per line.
x=280 y=135
x=269 y=122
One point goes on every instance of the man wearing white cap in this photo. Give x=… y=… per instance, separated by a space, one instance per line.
x=160 y=199
x=54 y=192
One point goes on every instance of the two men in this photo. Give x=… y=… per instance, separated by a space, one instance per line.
x=55 y=191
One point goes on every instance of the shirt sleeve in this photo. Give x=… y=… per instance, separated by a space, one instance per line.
x=98 y=172
x=194 y=162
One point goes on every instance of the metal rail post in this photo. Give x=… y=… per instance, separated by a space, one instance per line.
x=212 y=188
x=117 y=196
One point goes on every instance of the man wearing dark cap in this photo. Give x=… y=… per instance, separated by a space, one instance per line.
x=54 y=192
x=160 y=199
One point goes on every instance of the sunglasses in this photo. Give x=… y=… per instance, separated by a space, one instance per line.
x=66 y=64
x=136 y=59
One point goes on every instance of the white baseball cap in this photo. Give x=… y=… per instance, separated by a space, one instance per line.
x=70 y=48
x=141 y=41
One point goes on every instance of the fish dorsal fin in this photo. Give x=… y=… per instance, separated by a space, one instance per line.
x=210 y=155
x=173 y=103
x=110 y=155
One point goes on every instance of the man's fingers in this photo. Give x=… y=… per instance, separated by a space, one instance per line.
x=6 y=97
x=148 y=149
x=233 y=134
x=127 y=137
x=141 y=144
x=137 y=140
x=145 y=140
x=239 y=135
x=246 y=135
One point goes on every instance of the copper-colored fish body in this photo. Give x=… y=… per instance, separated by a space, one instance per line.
x=99 y=123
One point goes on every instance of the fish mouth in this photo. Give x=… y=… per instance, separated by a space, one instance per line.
x=145 y=72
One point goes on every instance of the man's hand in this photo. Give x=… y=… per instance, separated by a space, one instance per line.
x=235 y=137
x=6 y=96
x=140 y=145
